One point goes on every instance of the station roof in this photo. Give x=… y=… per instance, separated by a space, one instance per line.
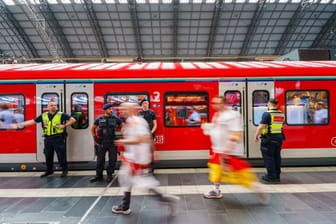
x=164 y=29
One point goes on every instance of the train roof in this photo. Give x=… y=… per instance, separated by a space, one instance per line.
x=167 y=70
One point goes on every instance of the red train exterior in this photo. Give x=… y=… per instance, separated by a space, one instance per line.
x=173 y=90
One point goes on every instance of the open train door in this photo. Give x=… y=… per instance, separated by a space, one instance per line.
x=234 y=91
x=258 y=94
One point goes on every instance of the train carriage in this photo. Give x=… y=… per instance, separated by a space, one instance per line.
x=305 y=91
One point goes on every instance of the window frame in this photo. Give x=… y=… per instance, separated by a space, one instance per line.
x=58 y=99
x=307 y=90
x=24 y=111
x=253 y=112
x=88 y=109
x=185 y=93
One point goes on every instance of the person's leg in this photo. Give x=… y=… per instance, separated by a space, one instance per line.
x=277 y=160
x=60 y=149
x=49 y=157
x=267 y=151
x=100 y=153
x=112 y=153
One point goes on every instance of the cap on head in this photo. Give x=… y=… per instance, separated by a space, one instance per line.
x=273 y=101
x=107 y=106
x=143 y=100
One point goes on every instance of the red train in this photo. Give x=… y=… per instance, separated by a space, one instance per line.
x=305 y=91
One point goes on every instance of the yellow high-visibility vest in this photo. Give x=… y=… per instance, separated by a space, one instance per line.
x=50 y=126
x=277 y=122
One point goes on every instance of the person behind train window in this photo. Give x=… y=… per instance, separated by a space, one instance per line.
x=103 y=131
x=136 y=159
x=320 y=113
x=80 y=116
x=6 y=116
x=18 y=116
x=270 y=131
x=54 y=125
x=194 y=118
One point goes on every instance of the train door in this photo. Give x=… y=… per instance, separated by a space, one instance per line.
x=234 y=92
x=74 y=99
x=79 y=105
x=258 y=94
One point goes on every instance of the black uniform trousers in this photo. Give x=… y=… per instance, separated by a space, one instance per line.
x=271 y=152
x=55 y=144
x=101 y=150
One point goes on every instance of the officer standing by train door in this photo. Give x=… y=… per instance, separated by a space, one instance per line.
x=271 y=134
x=53 y=129
x=103 y=131
x=150 y=116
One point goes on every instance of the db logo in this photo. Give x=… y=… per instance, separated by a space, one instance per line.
x=333 y=141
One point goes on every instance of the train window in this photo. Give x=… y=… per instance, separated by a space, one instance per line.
x=80 y=110
x=233 y=99
x=46 y=98
x=307 y=107
x=185 y=109
x=259 y=101
x=12 y=110
x=117 y=98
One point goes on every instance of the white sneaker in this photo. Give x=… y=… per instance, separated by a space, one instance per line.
x=120 y=210
x=213 y=194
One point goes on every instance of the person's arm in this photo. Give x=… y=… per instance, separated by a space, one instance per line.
x=259 y=131
x=68 y=123
x=93 y=130
x=154 y=126
x=26 y=123
x=265 y=119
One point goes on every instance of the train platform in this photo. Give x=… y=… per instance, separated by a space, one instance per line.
x=305 y=195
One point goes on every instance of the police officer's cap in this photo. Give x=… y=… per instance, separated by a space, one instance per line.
x=273 y=101
x=143 y=100
x=107 y=106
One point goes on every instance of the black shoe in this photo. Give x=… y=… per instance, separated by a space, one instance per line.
x=46 y=174
x=96 y=179
x=120 y=210
x=267 y=179
x=109 y=178
x=64 y=174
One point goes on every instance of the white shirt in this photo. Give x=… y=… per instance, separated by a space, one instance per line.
x=138 y=153
x=321 y=116
x=223 y=123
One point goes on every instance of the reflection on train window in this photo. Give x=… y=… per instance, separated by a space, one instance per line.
x=186 y=109
x=233 y=99
x=259 y=101
x=46 y=98
x=80 y=110
x=12 y=110
x=307 y=107
x=117 y=98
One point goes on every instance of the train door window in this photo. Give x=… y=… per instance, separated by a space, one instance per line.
x=49 y=97
x=12 y=110
x=80 y=110
x=118 y=98
x=185 y=109
x=233 y=99
x=307 y=107
x=259 y=101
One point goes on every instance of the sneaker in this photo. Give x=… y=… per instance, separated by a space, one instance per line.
x=120 y=210
x=64 y=174
x=96 y=179
x=268 y=180
x=213 y=194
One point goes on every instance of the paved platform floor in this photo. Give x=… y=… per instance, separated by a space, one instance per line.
x=305 y=195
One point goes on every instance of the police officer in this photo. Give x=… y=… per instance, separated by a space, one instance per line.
x=53 y=128
x=271 y=134
x=103 y=131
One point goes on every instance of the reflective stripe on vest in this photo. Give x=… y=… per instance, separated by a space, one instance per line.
x=49 y=127
x=277 y=121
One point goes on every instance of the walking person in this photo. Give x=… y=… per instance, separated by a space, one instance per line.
x=54 y=125
x=103 y=131
x=136 y=159
x=270 y=131
x=226 y=164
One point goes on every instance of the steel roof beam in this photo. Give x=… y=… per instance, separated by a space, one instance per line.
x=18 y=30
x=96 y=27
x=57 y=30
x=326 y=34
x=136 y=27
x=214 y=26
x=252 y=28
x=292 y=25
x=176 y=4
